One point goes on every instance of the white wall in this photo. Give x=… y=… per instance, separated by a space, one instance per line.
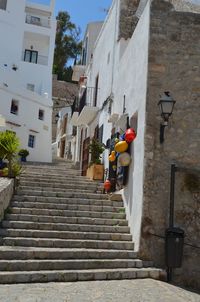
x=132 y=82
x=28 y=120
x=15 y=36
x=105 y=48
x=124 y=74
x=91 y=35
x=66 y=111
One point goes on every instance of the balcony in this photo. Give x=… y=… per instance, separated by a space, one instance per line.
x=38 y=21
x=36 y=59
x=87 y=115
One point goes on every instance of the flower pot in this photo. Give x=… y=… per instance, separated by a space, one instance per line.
x=23 y=158
x=95 y=172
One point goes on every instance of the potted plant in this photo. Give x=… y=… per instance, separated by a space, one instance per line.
x=96 y=169
x=23 y=153
x=9 y=144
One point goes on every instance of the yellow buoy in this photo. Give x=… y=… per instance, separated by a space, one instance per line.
x=112 y=157
x=121 y=147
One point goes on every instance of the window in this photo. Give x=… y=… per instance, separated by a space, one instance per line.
x=31 y=56
x=31 y=141
x=35 y=20
x=3 y=4
x=14 y=107
x=96 y=90
x=41 y=115
x=30 y=87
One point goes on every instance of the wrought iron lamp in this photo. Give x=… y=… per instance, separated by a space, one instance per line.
x=166 y=105
x=57 y=116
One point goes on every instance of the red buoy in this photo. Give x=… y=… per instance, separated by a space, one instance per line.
x=107 y=185
x=130 y=135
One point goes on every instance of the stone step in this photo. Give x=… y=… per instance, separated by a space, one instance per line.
x=80 y=264
x=24 y=253
x=50 y=167
x=51 y=189
x=68 y=174
x=31 y=184
x=61 y=243
x=78 y=275
x=67 y=213
x=74 y=201
x=69 y=207
x=67 y=194
x=68 y=220
x=60 y=179
x=55 y=178
x=66 y=167
x=65 y=227
x=60 y=169
x=64 y=235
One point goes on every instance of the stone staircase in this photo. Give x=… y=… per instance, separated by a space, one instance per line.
x=58 y=228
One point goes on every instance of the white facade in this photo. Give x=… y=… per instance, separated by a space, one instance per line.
x=64 y=139
x=28 y=34
x=121 y=66
x=91 y=34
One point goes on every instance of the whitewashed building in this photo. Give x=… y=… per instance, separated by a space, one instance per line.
x=27 y=34
x=144 y=49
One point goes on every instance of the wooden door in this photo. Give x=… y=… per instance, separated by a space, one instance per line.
x=85 y=157
x=62 y=148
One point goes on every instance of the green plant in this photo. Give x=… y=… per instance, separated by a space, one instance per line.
x=5 y=172
x=9 y=145
x=96 y=149
x=16 y=169
x=23 y=153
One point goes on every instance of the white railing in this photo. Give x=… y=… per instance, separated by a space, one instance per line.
x=39 y=21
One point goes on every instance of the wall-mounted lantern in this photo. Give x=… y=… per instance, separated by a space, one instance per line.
x=57 y=116
x=166 y=105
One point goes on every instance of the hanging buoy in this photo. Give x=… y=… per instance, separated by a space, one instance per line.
x=121 y=147
x=112 y=157
x=124 y=159
x=107 y=185
x=130 y=135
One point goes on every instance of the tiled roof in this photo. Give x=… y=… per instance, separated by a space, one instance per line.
x=64 y=90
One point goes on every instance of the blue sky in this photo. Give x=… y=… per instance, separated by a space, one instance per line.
x=81 y=11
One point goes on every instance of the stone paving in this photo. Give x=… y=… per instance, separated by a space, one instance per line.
x=99 y=291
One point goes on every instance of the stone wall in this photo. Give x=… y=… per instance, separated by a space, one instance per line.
x=127 y=19
x=6 y=192
x=174 y=56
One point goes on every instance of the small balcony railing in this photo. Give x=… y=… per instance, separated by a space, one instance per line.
x=38 y=21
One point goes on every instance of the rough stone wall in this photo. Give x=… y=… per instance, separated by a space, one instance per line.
x=127 y=19
x=6 y=192
x=184 y=5
x=174 y=56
